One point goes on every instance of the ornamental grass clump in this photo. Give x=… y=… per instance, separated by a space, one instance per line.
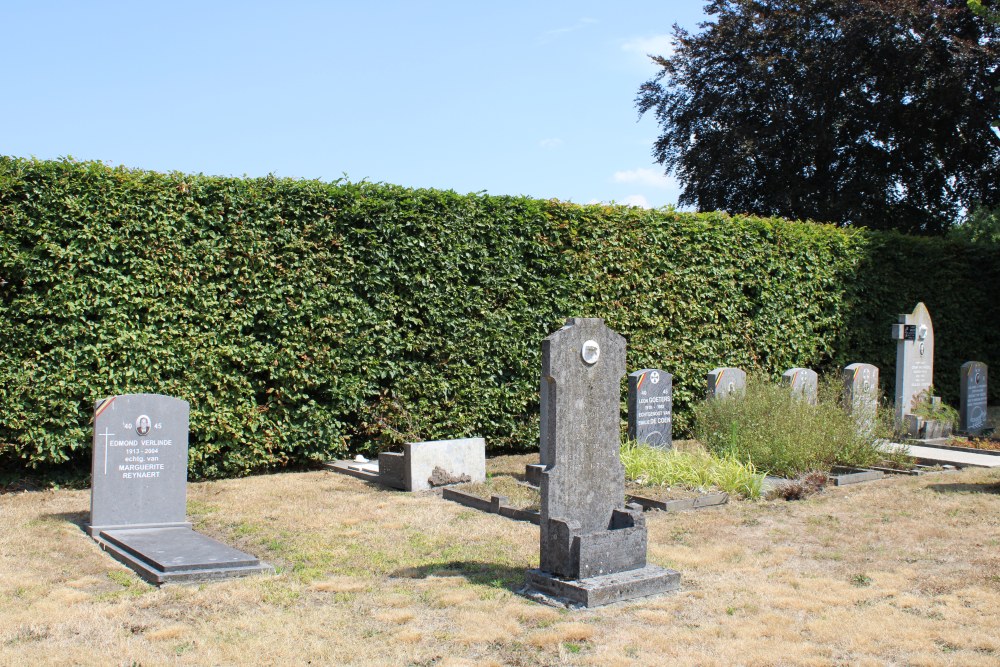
x=784 y=435
x=651 y=466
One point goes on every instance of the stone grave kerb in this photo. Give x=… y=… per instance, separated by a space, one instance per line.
x=914 y=336
x=583 y=481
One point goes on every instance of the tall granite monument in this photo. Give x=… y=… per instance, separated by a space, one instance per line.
x=973 y=398
x=593 y=546
x=860 y=395
x=138 y=496
x=914 y=360
x=803 y=383
x=650 y=407
x=726 y=381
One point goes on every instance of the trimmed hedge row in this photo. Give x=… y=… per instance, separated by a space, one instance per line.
x=304 y=319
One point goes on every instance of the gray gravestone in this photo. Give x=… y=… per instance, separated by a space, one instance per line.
x=650 y=407
x=593 y=547
x=803 y=383
x=726 y=381
x=139 y=466
x=914 y=359
x=138 y=497
x=861 y=395
x=973 y=398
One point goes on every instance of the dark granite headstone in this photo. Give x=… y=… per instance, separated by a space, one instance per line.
x=860 y=395
x=973 y=398
x=650 y=403
x=914 y=360
x=139 y=466
x=593 y=546
x=138 y=497
x=725 y=381
x=803 y=383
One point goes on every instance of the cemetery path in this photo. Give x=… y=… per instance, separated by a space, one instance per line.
x=905 y=570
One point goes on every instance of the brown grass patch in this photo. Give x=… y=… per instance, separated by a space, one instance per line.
x=340 y=585
x=167 y=634
x=902 y=571
x=398 y=616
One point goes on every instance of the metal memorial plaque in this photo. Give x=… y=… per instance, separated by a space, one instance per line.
x=139 y=470
x=650 y=407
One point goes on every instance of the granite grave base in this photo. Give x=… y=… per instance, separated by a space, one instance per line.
x=603 y=589
x=177 y=555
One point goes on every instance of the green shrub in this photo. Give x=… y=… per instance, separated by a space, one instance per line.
x=783 y=435
x=652 y=466
x=303 y=320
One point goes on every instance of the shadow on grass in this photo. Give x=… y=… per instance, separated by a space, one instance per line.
x=475 y=572
x=78 y=519
x=985 y=487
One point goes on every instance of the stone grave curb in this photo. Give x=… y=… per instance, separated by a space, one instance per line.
x=495 y=505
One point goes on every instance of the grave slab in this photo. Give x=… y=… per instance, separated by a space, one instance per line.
x=169 y=555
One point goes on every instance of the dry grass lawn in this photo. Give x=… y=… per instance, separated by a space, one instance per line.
x=904 y=571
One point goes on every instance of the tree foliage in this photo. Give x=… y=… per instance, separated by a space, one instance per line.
x=859 y=112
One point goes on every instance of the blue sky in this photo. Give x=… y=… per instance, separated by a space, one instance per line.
x=519 y=98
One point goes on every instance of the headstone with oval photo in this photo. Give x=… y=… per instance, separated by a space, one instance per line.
x=138 y=497
x=914 y=336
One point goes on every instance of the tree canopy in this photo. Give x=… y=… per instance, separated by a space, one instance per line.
x=860 y=112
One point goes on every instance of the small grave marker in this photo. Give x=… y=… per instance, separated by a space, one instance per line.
x=973 y=398
x=726 y=381
x=860 y=395
x=593 y=546
x=803 y=383
x=138 y=498
x=650 y=404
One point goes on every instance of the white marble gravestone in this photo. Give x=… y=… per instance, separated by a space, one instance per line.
x=138 y=497
x=914 y=335
x=860 y=395
x=803 y=383
x=973 y=398
x=593 y=546
x=726 y=381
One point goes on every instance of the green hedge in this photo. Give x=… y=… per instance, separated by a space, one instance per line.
x=304 y=319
